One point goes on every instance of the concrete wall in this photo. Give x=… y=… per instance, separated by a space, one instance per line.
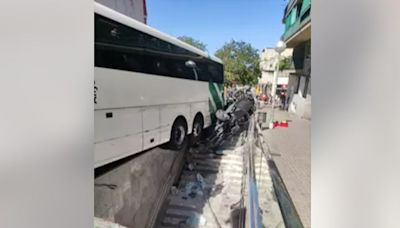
x=297 y=103
x=131 y=8
x=268 y=58
x=130 y=193
x=282 y=81
x=267 y=77
x=293 y=81
x=301 y=106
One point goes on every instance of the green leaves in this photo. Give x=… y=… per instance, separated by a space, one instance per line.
x=193 y=42
x=241 y=62
x=286 y=63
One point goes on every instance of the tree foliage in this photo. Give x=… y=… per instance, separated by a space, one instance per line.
x=285 y=63
x=241 y=62
x=193 y=42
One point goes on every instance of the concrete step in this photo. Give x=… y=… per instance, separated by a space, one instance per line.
x=190 y=204
x=214 y=176
x=233 y=157
x=224 y=168
x=215 y=179
x=214 y=186
x=180 y=212
x=223 y=175
x=218 y=162
x=176 y=222
x=206 y=170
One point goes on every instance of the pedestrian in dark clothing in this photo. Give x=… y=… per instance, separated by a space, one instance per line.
x=283 y=100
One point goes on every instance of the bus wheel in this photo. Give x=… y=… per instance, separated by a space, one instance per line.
x=178 y=134
x=197 y=130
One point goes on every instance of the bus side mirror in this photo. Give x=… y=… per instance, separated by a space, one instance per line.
x=190 y=64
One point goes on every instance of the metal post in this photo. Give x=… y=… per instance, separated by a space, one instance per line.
x=273 y=92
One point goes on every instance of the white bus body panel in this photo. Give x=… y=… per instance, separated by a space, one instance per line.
x=143 y=108
x=151 y=127
x=118 y=136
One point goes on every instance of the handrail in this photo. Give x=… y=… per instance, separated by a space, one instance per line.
x=253 y=217
x=289 y=213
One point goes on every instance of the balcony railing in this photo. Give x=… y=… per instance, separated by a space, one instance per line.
x=296 y=26
x=301 y=19
x=290 y=6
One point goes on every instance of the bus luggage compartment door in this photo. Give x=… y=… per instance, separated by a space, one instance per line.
x=151 y=127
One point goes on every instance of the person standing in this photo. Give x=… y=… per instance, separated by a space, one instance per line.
x=283 y=100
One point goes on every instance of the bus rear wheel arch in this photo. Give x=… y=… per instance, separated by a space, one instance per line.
x=178 y=138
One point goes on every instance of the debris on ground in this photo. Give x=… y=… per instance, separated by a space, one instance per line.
x=207 y=190
x=102 y=223
x=174 y=190
x=200 y=193
x=196 y=220
x=190 y=166
x=198 y=149
x=201 y=181
x=193 y=189
x=189 y=187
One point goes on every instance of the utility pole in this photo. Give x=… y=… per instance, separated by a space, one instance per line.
x=280 y=47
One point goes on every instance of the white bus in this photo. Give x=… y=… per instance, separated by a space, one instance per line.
x=150 y=88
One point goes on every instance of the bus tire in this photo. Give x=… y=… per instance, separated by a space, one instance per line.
x=178 y=139
x=197 y=129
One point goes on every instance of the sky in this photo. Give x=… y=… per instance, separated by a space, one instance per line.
x=215 y=22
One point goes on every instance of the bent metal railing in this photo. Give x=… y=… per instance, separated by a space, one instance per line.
x=256 y=147
x=253 y=217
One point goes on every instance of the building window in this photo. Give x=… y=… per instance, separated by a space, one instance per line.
x=293 y=16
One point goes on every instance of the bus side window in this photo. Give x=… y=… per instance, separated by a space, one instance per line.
x=115 y=59
x=115 y=33
x=216 y=72
x=106 y=31
x=161 y=67
x=136 y=62
x=132 y=38
x=202 y=71
x=212 y=72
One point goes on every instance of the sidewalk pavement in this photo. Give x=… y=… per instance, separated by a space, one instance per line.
x=290 y=148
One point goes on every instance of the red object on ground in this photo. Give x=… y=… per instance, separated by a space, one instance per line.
x=284 y=124
x=280 y=124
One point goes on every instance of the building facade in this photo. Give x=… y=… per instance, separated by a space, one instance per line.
x=297 y=35
x=135 y=9
x=268 y=61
